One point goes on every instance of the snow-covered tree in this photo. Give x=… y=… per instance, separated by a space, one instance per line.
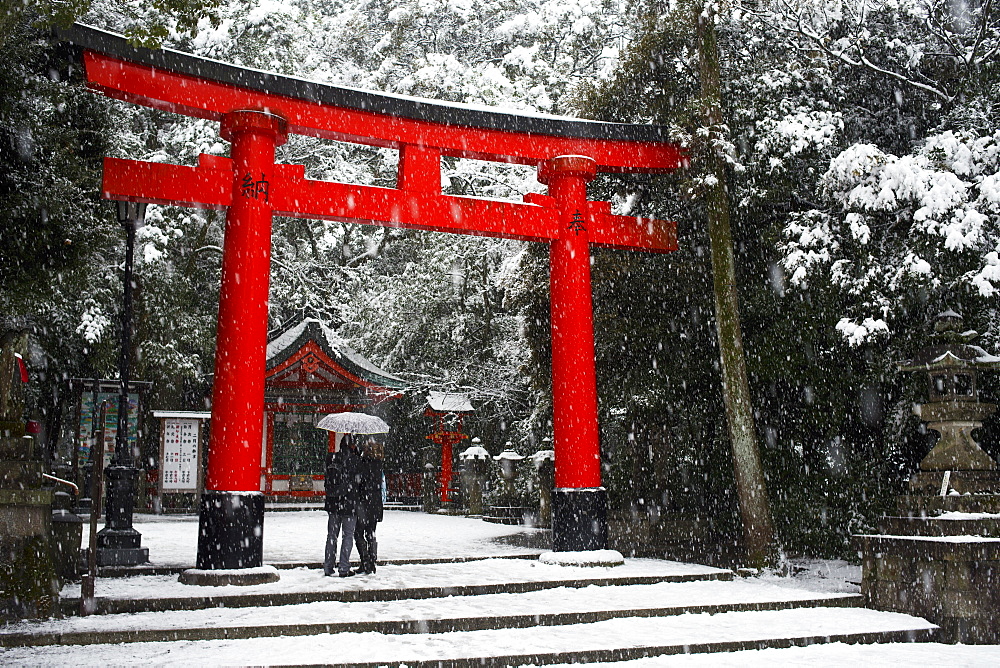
x=901 y=226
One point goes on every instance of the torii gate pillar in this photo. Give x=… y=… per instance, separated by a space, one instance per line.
x=231 y=518
x=579 y=502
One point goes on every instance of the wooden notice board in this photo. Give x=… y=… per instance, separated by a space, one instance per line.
x=180 y=450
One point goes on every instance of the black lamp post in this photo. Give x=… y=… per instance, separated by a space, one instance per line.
x=118 y=543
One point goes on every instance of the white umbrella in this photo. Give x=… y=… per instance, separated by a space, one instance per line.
x=353 y=423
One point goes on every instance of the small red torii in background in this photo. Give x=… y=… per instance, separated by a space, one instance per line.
x=256 y=111
x=441 y=405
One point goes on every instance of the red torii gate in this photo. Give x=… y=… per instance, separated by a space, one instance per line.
x=256 y=111
x=439 y=406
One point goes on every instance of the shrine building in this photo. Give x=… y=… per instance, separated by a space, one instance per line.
x=311 y=372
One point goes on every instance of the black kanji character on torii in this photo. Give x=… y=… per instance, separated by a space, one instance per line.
x=576 y=225
x=253 y=188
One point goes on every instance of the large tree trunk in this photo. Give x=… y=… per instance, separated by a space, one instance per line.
x=758 y=527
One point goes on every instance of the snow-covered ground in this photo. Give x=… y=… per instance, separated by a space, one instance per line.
x=297 y=538
x=827 y=575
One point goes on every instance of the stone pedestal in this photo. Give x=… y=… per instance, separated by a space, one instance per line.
x=579 y=519
x=118 y=543
x=28 y=582
x=67 y=538
x=955 y=422
x=978 y=483
x=431 y=500
x=546 y=479
x=939 y=559
x=230 y=531
x=473 y=473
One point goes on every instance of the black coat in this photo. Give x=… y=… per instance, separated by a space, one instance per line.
x=341 y=482
x=370 y=490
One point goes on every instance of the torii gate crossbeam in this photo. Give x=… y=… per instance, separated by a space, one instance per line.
x=256 y=111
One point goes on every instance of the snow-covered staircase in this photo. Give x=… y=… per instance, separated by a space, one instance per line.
x=493 y=612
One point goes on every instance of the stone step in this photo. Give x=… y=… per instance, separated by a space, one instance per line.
x=952 y=524
x=18 y=448
x=917 y=505
x=150 y=569
x=36 y=505
x=157 y=593
x=400 y=505
x=278 y=506
x=600 y=641
x=553 y=607
x=964 y=482
x=916 y=550
x=951 y=580
x=512 y=515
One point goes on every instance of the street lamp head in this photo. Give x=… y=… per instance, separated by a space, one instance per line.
x=131 y=213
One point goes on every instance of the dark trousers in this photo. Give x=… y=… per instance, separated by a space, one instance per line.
x=331 y=563
x=364 y=538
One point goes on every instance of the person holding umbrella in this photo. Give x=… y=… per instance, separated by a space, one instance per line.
x=341 y=486
x=369 y=512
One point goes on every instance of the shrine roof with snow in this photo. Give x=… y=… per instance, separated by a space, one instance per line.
x=290 y=343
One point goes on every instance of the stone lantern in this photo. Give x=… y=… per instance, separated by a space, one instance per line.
x=507 y=512
x=508 y=462
x=937 y=557
x=474 y=460
x=953 y=410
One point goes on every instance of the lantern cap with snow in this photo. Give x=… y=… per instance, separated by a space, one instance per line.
x=541 y=457
x=508 y=461
x=475 y=451
x=951 y=361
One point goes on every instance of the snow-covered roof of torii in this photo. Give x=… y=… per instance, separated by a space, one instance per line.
x=172 y=80
x=453 y=113
x=291 y=341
